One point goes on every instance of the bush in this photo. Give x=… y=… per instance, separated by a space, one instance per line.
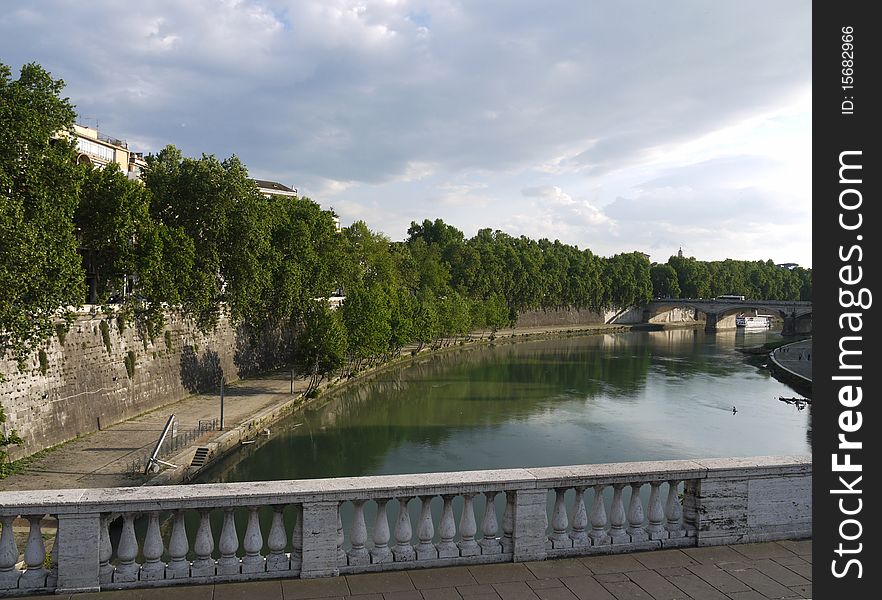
x=130 y=363
x=105 y=335
x=44 y=361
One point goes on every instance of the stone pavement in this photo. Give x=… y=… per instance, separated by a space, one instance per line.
x=102 y=458
x=797 y=357
x=739 y=572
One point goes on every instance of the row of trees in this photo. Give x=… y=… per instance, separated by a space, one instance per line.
x=196 y=235
x=689 y=278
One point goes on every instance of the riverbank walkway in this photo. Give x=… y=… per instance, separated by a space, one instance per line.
x=104 y=458
x=739 y=572
x=796 y=357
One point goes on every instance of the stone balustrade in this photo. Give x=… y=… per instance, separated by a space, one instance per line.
x=154 y=536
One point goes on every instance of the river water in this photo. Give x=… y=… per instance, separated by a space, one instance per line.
x=581 y=399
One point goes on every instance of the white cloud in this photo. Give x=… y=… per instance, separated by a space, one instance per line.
x=382 y=103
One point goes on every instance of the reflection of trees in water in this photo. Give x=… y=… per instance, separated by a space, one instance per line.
x=427 y=401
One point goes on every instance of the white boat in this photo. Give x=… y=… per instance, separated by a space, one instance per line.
x=753 y=322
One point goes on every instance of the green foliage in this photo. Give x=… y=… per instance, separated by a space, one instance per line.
x=44 y=361
x=129 y=361
x=323 y=344
x=664 y=281
x=168 y=340
x=10 y=438
x=105 y=335
x=61 y=330
x=40 y=268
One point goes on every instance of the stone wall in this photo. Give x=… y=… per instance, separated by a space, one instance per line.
x=570 y=316
x=82 y=383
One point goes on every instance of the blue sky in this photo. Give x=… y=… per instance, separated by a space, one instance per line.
x=613 y=125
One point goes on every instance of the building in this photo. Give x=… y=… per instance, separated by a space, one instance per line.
x=94 y=148
x=274 y=188
x=789 y=266
x=99 y=150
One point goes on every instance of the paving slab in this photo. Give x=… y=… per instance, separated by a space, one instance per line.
x=424 y=579
x=515 y=590
x=568 y=567
x=762 y=550
x=307 y=589
x=379 y=583
x=544 y=584
x=616 y=563
x=781 y=574
x=558 y=593
x=764 y=584
x=252 y=590
x=719 y=578
x=657 y=586
x=697 y=587
x=441 y=594
x=664 y=558
x=587 y=588
x=626 y=590
x=403 y=595
x=713 y=554
x=501 y=573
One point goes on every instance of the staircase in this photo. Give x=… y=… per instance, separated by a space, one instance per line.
x=199 y=457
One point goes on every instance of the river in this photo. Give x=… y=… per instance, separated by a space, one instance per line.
x=572 y=400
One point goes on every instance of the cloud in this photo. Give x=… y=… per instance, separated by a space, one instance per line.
x=346 y=97
x=577 y=211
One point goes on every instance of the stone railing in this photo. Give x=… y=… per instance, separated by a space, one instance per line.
x=155 y=536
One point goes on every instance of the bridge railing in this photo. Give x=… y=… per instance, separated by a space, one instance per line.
x=156 y=536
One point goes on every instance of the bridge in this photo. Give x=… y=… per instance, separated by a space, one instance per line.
x=719 y=314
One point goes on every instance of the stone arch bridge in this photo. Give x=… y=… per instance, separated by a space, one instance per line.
x=797 y=315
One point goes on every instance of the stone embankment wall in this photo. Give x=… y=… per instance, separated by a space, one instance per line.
x=571 y=316
x=99 y=373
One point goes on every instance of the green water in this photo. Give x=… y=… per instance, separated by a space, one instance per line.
x=586 y=399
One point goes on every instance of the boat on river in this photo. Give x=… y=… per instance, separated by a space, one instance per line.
x=753 y=321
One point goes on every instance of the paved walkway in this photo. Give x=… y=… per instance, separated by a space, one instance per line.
x=740 y=572
x=797 y=357
x=103 y=458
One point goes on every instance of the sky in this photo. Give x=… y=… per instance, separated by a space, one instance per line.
x=614 y=125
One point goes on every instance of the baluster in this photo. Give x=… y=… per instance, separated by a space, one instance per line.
x=153 y=568
x=673 y=511
x=253 y=562
x=203 y=565
x=52 y=579
x=580 y=520
x=380 y=552
x=597 y=517
x=468 y=528
x=426 y=531
x=105 y=550
x=341 y=554
x=358 y=554
x=228 y=563
x=403 y=550
x=35 y=552
x=617 y=533
x=8 y=555
x=635 y=515
x=559 y=523
x=656 y=513
x=507 y=542
x=178 y=546
x=297 y=539
x=447 y=530
x=490 y=527
x=276 y=560
x=127 y=569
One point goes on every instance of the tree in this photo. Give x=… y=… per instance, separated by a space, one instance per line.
x=323 y=343
x=40 y=268
x=664 y=281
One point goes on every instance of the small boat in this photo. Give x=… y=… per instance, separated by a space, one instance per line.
x=753 y=321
